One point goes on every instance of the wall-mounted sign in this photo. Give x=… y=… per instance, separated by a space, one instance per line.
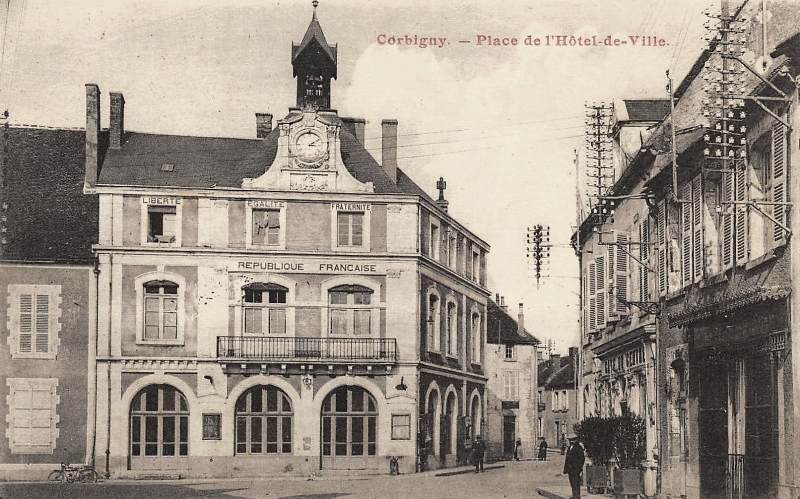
x=350 y=206
x=308 y=266
x=266 y=203
x=161 y=200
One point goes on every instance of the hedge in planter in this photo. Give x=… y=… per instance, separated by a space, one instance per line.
x=629 y=451
x=597 y=436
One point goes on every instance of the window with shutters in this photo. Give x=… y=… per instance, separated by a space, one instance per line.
x=32 y=416
x=661 y=247
x=698 y=255
x=351 y=227
x=264 y=308
x=742 y=215
x=511 y=385
x=592 y=297
x=692 y=249
x=686 y=234
x=34 y=320
x=644 y=255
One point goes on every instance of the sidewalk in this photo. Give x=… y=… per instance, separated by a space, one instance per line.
x=564 y=492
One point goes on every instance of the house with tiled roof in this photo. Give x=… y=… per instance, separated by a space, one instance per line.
x=47 y=303
x=282 y=304
x=556 y=398
x=511 y=389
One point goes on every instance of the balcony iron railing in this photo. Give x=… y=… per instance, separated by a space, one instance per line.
x=264 y=348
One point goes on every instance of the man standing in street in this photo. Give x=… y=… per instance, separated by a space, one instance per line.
x=573 y=466
x=478 y=448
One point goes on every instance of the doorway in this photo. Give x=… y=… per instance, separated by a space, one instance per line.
x=509 y=434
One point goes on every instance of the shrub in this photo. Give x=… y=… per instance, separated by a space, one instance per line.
x=629 y=441
x=598 y=439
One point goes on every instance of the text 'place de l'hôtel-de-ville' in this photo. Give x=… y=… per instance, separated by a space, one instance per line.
x=234 y=307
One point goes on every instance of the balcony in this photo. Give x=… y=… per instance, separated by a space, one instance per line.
x=326 y=350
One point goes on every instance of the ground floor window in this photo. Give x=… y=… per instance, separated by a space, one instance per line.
x=263 y=421
x=349 y=423
x=159 y=422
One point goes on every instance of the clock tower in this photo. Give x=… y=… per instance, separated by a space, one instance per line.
x=314 y=64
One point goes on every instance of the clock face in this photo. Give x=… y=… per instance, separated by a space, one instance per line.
x=309 y=147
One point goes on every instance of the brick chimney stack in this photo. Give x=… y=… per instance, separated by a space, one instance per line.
x=520 y=319
x=116 y=126
x=389 y=148
x=263 y=125
x=92 y=134
x=356 y=127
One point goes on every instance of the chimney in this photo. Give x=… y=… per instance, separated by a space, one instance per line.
x=263 y=125
x=497 y=298
x=356 y=127
x=116 y=127
x=573 y=353
x=441 y=185
x=389 y=148
x=92 y=134
x=520 y=320
x=503 y=303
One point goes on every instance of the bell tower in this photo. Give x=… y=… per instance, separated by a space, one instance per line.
x=314 y=64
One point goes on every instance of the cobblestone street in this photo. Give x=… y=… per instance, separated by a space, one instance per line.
x=512 y=480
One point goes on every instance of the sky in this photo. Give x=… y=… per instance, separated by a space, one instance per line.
x=499 y=123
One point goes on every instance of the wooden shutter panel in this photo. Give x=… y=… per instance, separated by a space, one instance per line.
x=742 y=212
x=621 y=274
x=711 y=221
x=697 y=227
x=661 y=228
x=26 y=320
x=644 y=253
x=779 y=165
x=727 y=219
x=42 y=343
x=686 y=234
x=600 y=269
x=592 y=297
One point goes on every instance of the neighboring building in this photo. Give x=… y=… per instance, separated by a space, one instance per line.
x=716 y=255
x=47 y=309
x=280 y=305
x=511 y=366
x=557 y=398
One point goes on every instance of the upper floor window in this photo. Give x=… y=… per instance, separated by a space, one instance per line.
x=511 y=385
x=477 y=335
x=266 y=227
x=564 y=400
x=350 y=228
x=160 y=311
x=452 y=329
x=264 y=307
x=452 y=253
x=509 y=352
x=351 y=222
x=556 y=401
x=161 y=220
x=475 y=265
x=159 y=308
x=34 y=320
x=350 y=310
x=434 y=241
x=433 y=323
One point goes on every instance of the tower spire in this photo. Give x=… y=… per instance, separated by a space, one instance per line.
x=314 y=65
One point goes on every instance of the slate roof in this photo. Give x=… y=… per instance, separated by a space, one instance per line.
x=46 y=216
x=204 y=162
x=556 y=373
x=646 y=109
x=501 y=328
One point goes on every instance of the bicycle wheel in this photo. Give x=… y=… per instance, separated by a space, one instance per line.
x=88 y=476
x=55 y=476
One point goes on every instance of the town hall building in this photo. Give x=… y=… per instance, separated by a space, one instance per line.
x=284 y=304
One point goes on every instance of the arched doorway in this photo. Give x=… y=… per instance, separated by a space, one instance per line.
x=263 y=421
x=475 y=415
x=349 y=423
x=450 y=426
x=434 y=415
x=158 y=428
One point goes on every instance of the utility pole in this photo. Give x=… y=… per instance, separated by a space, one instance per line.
x=538 y=250
x=598 y=148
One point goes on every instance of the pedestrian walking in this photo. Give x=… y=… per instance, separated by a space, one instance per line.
x=542 y=449
x=478 y=449
x=517 y=449
x=563 y=443
x=573 y=466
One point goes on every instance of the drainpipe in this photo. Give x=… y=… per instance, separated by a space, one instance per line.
x=108 y=370
x=94 y=322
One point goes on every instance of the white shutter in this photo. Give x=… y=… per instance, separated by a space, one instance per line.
x=644 y=254
x=592 y=297
x=697 y=227
x=711 y=220
x=742 y=212
x=621 y=274
x=42 y=343
x=779 y=166
x=26 y=320
x=686 y=234
x=727 y=219
x=661 y=228
x=600 y=269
